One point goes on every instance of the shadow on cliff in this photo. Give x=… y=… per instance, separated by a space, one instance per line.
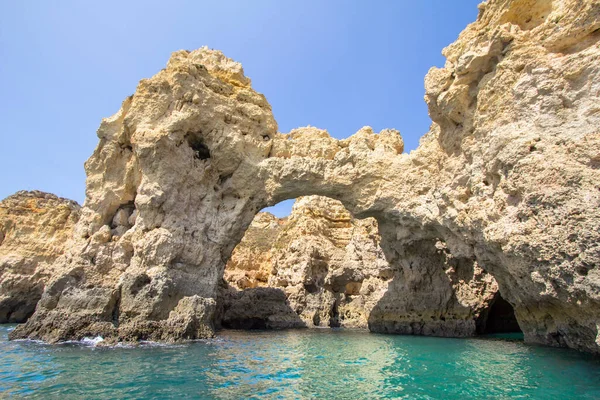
x=20 y=305
x=423 y=293
x=256 y=308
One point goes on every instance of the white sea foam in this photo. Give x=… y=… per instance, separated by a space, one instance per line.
x=86 y=341
x=149 y=343
x=95 y=341
x=122 y=346
x=92 y=341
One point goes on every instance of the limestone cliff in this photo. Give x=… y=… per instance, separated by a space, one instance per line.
x=34 y=227
x=322 y=267
x=506 y=181
x=251 y=264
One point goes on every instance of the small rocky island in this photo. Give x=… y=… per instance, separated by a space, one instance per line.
x=492 y=223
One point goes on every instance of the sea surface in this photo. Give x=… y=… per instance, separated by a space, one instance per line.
x=303 y=364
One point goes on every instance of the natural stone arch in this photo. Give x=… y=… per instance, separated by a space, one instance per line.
x=320 y=266
x=197 y=153
x=179 y=173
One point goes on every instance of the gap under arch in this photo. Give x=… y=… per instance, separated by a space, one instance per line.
x=300 y=270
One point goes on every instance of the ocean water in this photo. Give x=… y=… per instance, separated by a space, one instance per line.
x=303 y=364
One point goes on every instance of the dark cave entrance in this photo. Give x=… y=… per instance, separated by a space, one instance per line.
x=500 y=318
x=201 y=150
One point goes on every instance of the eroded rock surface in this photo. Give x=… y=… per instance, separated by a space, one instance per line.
x=507 y=180
x=319 y=258
x=321 y=267
x=34 y=227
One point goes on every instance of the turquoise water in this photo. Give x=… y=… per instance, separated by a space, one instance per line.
x=299 y=364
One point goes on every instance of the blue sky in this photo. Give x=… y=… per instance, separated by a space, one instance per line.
x=337 y=65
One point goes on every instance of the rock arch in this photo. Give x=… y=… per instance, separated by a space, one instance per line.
x=507 y=178
x=320 y=267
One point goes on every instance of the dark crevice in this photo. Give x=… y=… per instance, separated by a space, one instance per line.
x=126 y=146
x=139 y=282
x=316 y=319
x=311 y=287
x=245 y=324
x=583 y=269
x=115 y=312
x=129 y=207
x=499 y=318
x=334 y=321
x=201 y=150
x=224 y=178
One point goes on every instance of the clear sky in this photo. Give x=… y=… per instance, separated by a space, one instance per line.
x=337 y=65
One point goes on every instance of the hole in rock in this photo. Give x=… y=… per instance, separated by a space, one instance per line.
x=500 y=318
x=201 y=151
x=123 y=215
x=311 y=287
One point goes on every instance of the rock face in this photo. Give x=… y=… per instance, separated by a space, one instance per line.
x=322 y=268
x=516 y=117
x=319 y=258
x=34 y=227
x=252 y=263
x=506 y=181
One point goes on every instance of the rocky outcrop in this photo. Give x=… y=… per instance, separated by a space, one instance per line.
x=34 y=227
x=516 y=118
x=320 y=267
x=506 y=181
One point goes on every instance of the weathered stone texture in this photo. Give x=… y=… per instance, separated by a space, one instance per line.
x=34 y=227
x=321 y=267
x=506 y=181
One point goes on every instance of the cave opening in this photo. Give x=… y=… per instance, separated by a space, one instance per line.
x=500 y=318
x=201 y=150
